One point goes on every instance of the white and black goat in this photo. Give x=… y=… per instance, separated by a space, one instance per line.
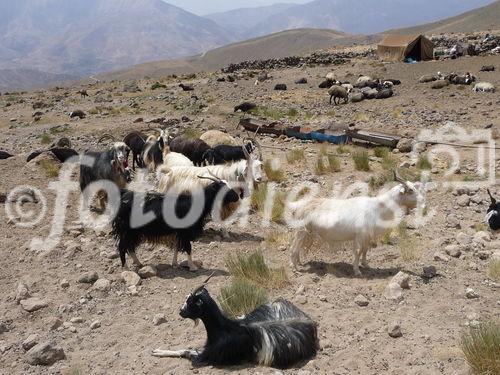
x=177 y=219
x=110 y=165
x=155 y=149
x=359 y=220
x=276 y=334
x=493 y=213
x=194 y=149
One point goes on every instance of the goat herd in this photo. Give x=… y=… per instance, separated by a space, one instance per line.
x=210 y=176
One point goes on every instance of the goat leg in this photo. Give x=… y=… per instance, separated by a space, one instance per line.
x=175 y=263
x=192 y=266
x=135 y=260
x=364 y=262
x=355 y=264
x=188 y=354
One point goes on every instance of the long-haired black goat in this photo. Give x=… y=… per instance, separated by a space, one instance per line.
x=194 y=149
x=493 y=214
x=110 y=165
x=276 y=334
x=135 y=141
x=221 y=154
x=61 y=153
x=168 y=209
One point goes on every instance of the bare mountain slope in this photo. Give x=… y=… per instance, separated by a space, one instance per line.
x=87 y=36
x=363 y=16
x=286 y=43
x=481 y=19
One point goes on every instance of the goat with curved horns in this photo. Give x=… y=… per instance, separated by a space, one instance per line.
x=276 y=334
x=359 y=220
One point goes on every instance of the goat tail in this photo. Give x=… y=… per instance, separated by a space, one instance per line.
x=493 y=200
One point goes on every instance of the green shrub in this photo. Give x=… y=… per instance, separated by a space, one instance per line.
x=241 y=297
x=361 y=161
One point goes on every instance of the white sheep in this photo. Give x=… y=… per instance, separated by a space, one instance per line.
x=348 y=87
x=484 y=87
x=217 y=137
x=360 y=220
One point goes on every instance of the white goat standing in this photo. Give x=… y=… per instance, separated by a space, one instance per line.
x=361 y=220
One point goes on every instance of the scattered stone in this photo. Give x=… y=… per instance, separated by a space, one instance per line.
x=441 y=257
x=482 y=237
x=471 y=293
x=148 y=272
x=394 y=330
x=33 y=304
x=393 y=292
x=453 y=251
x=159 y=319
x=76 y=320
x=54 y=324
x=463 y=200
x=404 y=145
x=64 y=283
x=45 y=354
x=361 y=300
x=131 y=278
x=30 y=342
x=104 y=285
x=429 y=272
x=95 y=324
x=463 y=239
x=402 y=279
x=3 y=327
x=22 y=292
x=322 y=298
x=88 y=278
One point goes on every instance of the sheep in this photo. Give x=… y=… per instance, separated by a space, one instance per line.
x=245 y=107
x=384 y=94
x=338 y=92
x=194 y=149
x=110 y=165
x=167 y=226
x=280 y=87
x=348 y=87
x=77 y=113
x=217 y=137
x=135 y=141
x=61 y=153
x=488 y=68
x=360 y=220
x=357 y=97
x=221 y=154
x=492 y=216
x=484 y=87
x=186 y=87
x=155 y=149
x=428 y=78
x=276 y=334
x=5 y=155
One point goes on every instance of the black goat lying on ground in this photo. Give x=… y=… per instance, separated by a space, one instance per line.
x=168 y=210
x=5 y=155
x=276 y=334
x=221 y=154
x=194 y=149
x=493 y=214
x=61 y=153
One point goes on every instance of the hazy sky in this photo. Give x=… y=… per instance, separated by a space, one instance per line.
x=202 y=7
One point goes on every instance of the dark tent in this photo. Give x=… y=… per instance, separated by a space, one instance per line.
x=401 y=47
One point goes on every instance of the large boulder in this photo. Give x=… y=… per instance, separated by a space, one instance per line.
x=45 y=354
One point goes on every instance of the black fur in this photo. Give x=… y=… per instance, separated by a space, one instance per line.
x=155 y=231
x=234 y=342
x=245 y=107
x=221 y=154
x=5 y=155
x=186 y=87
x=384 y=94
x=61 y=153
x=326 y=84
x=136 y=141
x=194 y=149
x=154 y=153
x=280 y=87
x=493 y=213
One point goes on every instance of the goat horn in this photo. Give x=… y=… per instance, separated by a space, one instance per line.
x=493 y=200
x=203 y=284
x=213 y=175
x=259 y=147
x=107 y=135
x=208 y=178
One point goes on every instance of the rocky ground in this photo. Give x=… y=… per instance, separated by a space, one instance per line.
x=99 y=322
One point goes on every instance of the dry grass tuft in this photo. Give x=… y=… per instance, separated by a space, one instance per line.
x=253 y=268
x=481 y=347
x=326 y=164
x=408 y=246
x=45 y=139
x=273 y=173
x=361 y=117
x=192 y=133
x=361 y=161
x=241 y=297
x=258 y=201
x=494 y=269
x=50 y=167
x=296 y=155
x=423 y=162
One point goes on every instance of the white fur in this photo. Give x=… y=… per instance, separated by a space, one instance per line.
x=217 y=137
x=484 y=87
x=348 y=87
x=360 y=220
